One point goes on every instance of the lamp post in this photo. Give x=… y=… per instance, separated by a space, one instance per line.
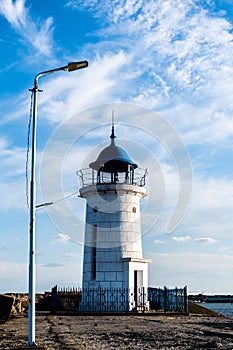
x=32 y=270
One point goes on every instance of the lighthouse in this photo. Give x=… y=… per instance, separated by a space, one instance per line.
x=113 y=186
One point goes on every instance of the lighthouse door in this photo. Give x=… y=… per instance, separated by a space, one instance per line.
x=138 y=284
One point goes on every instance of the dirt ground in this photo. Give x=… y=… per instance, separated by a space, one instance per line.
x=121 y=332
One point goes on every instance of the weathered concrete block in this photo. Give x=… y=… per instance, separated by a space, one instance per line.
x=99 y=276
x=120 y=275
x=110 y=276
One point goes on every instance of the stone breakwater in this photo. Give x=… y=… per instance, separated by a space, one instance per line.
x=121 y=332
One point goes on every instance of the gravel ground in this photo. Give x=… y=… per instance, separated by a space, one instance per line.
x=121 y=332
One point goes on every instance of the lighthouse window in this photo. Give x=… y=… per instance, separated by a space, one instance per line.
x=93 y=252
x=134 y=209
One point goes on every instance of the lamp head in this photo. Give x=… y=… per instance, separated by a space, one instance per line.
x=76 y=65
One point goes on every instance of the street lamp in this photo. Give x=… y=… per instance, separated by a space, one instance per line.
x=32 y=271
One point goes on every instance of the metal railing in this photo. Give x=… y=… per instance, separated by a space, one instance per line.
x=118 y=300
x=168 y=299
x=89 y=177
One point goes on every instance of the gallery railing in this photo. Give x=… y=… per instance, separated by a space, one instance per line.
x=118 y=300
x=89 y=177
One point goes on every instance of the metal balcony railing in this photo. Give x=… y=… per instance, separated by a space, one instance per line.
x=89 y=177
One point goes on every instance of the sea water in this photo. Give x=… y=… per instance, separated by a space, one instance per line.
x=225 y=309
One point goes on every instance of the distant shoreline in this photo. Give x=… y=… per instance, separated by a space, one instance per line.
x=197 y=309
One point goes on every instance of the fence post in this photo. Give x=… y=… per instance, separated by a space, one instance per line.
x=136 y=298
x=185 y=300
x=54 y=300
x=143 y=299
x=100 y=299
x=165 y=299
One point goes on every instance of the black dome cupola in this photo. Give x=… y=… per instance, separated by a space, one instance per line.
x=113 y=159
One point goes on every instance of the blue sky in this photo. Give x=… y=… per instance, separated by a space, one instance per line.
x=172 y=58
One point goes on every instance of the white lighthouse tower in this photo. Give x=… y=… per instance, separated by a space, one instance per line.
x=113 y=260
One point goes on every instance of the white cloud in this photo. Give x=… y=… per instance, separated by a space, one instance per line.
x=170 y=56
x=53 y=265
x=198 y=239
x=37 y=34
x=159 y=241
x=66 y=95
x=12 y=158
x=62 y=238
x=178 y=52
x=197 y=271
x=12 y=183
x=211 y=208
x=205 y=240
x=181 y=238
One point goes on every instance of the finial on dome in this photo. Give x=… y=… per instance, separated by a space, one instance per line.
x=112 y=137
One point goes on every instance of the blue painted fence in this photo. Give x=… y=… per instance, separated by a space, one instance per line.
x=118 y=300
